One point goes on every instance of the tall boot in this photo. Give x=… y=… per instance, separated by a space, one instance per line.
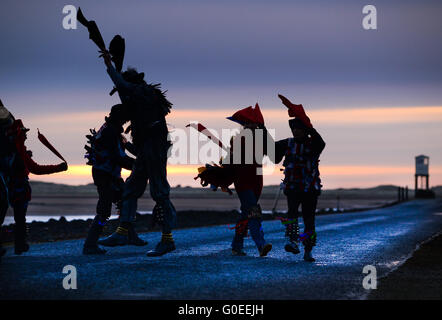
x=20 y=238
x=309 y=241
x=241 y=229
x=90 y=244
x=164 y=214
x=292 y=234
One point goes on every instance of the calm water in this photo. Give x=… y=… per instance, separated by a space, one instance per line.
x=43 y=218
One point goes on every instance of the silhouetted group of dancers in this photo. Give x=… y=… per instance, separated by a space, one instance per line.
x=143 y=110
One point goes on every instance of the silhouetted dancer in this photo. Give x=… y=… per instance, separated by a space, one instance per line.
x=245 y=175
x=302 y=184
x=19 y=187
x=7 y=156
x=106 y=154
x=147 y=107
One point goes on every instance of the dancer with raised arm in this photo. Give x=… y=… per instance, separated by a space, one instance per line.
x=302 y=184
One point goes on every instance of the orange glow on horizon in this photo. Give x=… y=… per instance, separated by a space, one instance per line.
x=323 y=116
x=326 y=170
x=338 y=115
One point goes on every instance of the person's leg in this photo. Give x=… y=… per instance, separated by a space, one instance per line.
x=21 y=196
x=117 y=194
x=20 y=209
x=309 y=204
x=133 y=189
x=291 y=225
x=164 y=211
x=4 y=204
x=103 y=181
x=240 y=232
x=251 y=209
x=4 y=199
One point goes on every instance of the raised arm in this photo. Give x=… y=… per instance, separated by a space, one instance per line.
x=318 y=143
x=122 y=85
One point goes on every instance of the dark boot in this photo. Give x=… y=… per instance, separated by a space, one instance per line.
x=241 y=230
x=166 y=245
x=134 y=239
x=20 y=238
x=292 y=234
x=292 y=247
x=238 y=245
x=309 y=241
x=90 y=245
x=308 y=256
x=265 y=249
x=118 y=238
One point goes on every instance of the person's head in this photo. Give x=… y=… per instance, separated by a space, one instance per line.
x=6 y=118
x=20 y=130
x=133 y=76
x=118 y=115
x=250 y=125
x=299 y=129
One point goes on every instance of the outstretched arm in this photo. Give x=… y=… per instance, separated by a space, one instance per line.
x=107 y=58
x=318 y=143
x=279 y=147
x=280 y=150
x=38 y=169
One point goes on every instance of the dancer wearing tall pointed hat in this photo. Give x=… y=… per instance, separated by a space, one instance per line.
x=301 y=184
x=243 y=167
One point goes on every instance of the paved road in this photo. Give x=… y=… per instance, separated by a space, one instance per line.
x=202 y=267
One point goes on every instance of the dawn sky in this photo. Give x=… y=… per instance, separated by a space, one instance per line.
x=375 y=96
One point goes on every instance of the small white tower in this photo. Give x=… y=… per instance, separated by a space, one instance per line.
x=422 y=172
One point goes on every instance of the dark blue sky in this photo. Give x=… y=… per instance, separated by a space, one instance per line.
x=223 y=54
x=242 y=50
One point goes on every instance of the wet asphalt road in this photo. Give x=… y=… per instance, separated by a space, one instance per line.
x=202 y=267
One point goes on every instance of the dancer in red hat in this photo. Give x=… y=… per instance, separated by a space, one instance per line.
x=19 y=187
x=301 y=184
x=244 y=170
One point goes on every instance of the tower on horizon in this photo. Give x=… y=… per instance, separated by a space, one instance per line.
x=422 y=172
